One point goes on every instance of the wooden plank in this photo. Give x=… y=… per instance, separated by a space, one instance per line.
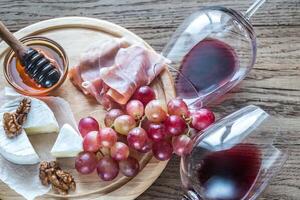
x=273 y=84
x=140 y=13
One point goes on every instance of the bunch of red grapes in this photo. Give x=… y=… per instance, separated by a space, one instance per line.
x=147 y=125
x=107 y=166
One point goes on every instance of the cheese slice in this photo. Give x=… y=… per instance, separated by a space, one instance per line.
x=18 y=149
x=68 y=143
x=40 y=119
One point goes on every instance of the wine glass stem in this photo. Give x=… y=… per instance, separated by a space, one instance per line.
x=253 y=8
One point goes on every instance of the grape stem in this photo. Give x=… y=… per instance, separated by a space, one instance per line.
x=99 y=151
x=188 y=121
x=189 y=130
x=141 y=120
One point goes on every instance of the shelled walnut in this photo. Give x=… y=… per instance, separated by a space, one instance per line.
x=61 y=181
x=12 y=122
x=23 y=110
x=11 y=126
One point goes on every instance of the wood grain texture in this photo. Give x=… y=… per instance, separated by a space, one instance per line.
x=140 y=13
x=273 y=84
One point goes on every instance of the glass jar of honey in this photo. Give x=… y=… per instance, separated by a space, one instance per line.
x=15 y=72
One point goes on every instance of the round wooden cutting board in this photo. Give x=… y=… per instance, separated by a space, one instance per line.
x=75 y=34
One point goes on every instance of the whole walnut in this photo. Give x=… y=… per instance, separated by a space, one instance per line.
x=61 y=181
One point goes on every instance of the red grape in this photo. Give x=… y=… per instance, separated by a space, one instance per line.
x=178 y=107
x=91 y=142
x=144 y=94
x=124 y=123
x=129 y=167
x=155 y=112
x=119 y=151
x=87 y=125
x=202 y=118
x=147 y=146
x=111 y=115
x=162 y=150
x=137 y=138
x=135 y=109
x=175 y=125
x=85 y=162
x=107 y=168
x=156 y=132
x=145 y=124
x=108 y=137
x=181 y=145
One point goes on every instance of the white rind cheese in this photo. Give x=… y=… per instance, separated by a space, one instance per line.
x=18 y=149
x=68 y=143
x=40 y=119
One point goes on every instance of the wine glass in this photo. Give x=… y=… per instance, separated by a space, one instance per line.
x=234 y=158
x=211 y=52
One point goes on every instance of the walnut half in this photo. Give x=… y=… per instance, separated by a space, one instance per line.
x=61 y=181
x=12 y=122
x=11 y=126
x=23 y=110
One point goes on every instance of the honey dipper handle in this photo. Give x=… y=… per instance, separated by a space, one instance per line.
x=12 y=41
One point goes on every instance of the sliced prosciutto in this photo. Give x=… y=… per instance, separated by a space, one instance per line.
x=86 y=74
x=134 y=66
x=113 y=70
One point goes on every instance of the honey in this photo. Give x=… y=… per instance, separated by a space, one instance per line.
x=17 y=76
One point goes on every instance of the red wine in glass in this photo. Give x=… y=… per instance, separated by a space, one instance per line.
x=228 y=174
x=208 y=65
x=233 y=159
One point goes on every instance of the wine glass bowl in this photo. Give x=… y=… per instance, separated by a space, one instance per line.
x=233 y=159
x=212 y=50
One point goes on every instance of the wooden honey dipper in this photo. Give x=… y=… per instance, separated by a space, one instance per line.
x=36 y=64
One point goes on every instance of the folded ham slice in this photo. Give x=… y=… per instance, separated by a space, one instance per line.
x=86 y=74
x=134 y=66
x=112 y=71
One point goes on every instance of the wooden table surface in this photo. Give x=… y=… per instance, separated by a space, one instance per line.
x=273 y=84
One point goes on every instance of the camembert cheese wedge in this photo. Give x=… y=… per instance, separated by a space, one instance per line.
x=17 y=150
x=40 y=119
x=68 y=143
